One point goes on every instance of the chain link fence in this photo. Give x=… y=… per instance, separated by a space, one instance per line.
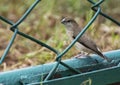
x=14 y=28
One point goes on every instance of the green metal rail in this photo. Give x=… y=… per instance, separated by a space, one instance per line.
x=70 y=72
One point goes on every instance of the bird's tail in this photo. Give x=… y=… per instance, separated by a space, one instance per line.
x=103 y=56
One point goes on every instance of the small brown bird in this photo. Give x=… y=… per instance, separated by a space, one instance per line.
x=84 y=43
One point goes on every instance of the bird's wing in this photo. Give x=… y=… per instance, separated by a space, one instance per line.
x=87 y=42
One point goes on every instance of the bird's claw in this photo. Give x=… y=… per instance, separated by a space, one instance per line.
x=80 y=56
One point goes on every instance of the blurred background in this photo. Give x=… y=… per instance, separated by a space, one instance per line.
x=44 y=24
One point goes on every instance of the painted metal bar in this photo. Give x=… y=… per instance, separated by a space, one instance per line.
x=92 y=69
x=8 y=46
x=100 y=77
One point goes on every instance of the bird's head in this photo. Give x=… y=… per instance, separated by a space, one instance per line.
x=69 y=23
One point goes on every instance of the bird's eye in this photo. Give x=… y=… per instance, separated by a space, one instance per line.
x=68 y=21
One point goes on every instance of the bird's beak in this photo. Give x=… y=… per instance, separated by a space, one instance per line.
x=63 y=20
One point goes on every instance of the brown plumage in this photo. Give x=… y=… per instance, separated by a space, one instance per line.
x=85 y=43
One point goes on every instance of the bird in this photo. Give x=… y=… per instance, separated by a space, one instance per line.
x=84 y=43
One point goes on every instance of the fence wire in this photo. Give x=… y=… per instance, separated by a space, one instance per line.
x=14 y=27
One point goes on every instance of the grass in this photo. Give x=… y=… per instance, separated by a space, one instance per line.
x=44 y=24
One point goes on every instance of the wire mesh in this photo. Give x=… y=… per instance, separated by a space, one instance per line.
x=14 y=27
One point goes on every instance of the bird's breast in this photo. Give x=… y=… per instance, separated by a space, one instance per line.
x=70 y=34
x=82 y=48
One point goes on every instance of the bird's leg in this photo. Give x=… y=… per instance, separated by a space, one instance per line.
x=87 y=54
x=82 y=54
